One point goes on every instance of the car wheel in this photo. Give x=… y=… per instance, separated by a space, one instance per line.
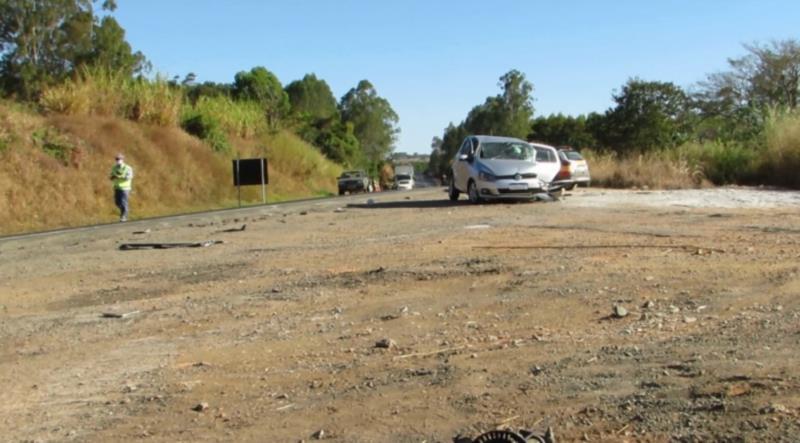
x=570 y=187
x=452 y=192
x=472 y=191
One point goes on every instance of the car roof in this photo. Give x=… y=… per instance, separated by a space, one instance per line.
x=541 y=145
x=495 y=138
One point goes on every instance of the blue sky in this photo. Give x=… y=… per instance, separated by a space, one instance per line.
x=435 y=60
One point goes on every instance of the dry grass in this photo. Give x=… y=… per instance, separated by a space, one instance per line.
x=781 y=161
x=102 y=92
x=656 y=170
x=174 y=172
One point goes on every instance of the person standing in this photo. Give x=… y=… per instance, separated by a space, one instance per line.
x=122 y=177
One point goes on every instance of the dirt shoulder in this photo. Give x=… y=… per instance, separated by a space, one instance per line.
x=494 y=315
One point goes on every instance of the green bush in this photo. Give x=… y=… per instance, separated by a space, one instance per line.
x=722 y=163
x=244 y=119
x=781 y=160
x=54 y=144
x=208 y=129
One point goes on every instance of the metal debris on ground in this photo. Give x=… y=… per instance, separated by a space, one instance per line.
x=508 y=436
x=235 y=229
x=137 y=246
x=118 y=314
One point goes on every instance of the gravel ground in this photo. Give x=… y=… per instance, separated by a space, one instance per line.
x=607 y=315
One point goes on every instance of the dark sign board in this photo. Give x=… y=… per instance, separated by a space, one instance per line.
x=248 y=171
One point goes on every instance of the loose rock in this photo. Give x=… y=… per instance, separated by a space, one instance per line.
x=385 y=343
x=619 y=312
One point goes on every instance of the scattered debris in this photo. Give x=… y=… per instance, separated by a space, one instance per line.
x=119 y=314
x=425 y=354
x=137 y=246
x=339 y=210
x=319 y=435
x=200 y=407
x=385 y=343
x=235 y=229
x=509 y=436
x=619 y=311
x=146 y=231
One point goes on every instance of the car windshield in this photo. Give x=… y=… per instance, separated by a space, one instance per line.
x=350 y=174
x=403 y=177
x=506 y=151
x=572 y=155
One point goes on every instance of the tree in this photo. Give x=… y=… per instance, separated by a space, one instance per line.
x=311 y=97
x=733 y=103
x=560 y=130
x=648 y=115
x=109 y=49
x=263 y=87
x=506 y=114
x=373 y=119
x=43 y=41
x=445 y=149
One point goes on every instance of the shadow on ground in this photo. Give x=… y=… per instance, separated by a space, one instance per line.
x=406 y=204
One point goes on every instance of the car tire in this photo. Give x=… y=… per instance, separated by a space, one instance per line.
x=570 y=187
x=452 y=192
x=472 y=192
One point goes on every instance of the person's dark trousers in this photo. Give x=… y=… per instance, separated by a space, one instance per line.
x=121 y=200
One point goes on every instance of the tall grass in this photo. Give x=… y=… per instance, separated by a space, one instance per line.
x=41 y=188
x=773 y=158
x=657 y=169
x=781 y=161
x=102 y=92
x=243 y=119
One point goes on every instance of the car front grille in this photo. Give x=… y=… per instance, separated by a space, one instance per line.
x=514 y=176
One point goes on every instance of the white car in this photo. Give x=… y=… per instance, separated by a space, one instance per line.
x=552 y=167
x=404 y=182
x=493 y=168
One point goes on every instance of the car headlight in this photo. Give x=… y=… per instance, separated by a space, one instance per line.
x=485 y=176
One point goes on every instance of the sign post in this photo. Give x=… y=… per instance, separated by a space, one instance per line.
x=251 y=171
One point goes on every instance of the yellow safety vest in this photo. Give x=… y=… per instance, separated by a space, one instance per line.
x=122 y=176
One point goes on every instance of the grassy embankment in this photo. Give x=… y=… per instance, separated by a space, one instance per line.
x=54 y=164
x=772 y=160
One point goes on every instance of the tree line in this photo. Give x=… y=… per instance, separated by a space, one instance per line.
x=44 y=43
x=729 y=107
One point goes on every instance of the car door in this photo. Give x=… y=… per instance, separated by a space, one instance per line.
x=547 y=163
x=461 y=167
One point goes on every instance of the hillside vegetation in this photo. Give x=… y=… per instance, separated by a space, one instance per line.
x=54 y=169
x=75 y=93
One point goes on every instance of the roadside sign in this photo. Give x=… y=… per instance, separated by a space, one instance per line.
x=251 y=171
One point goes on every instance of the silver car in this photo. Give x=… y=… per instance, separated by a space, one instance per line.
x=488 y=168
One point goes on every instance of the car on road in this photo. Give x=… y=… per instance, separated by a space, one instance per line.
x=578 y=167
x=354 y=181
x=490 y=168
x=404 y=182
x=404 y=177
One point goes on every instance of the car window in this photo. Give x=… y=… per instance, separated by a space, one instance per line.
x=545 y=155
x=465 y=147
x=572 y=155
x=403 y=177
x=506 y=151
